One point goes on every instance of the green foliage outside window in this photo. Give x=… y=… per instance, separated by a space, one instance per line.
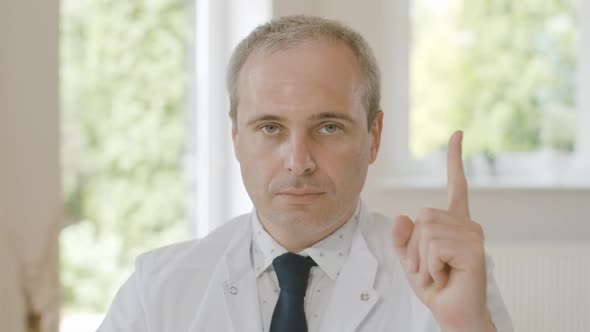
x=123 y=83
x=502 y=70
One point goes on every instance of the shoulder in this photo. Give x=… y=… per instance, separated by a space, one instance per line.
x=378 y=222
x=169 y=283
x=193 y=254
x=376 y=229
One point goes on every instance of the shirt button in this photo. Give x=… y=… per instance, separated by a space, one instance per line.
x=233 y=290
x=365 y=297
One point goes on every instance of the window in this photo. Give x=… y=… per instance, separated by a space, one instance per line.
x=123 y=100
x=508 y=74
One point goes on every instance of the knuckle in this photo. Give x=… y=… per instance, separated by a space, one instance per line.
x=429 y=231
x=412 y=250
x=434 y=246
x=427 y=214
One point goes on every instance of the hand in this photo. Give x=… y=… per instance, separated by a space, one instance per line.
x=443 y=256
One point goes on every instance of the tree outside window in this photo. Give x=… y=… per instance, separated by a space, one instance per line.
x=123 y=97
x=502 y=70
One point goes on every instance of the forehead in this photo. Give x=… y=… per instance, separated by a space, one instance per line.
x=313 y=75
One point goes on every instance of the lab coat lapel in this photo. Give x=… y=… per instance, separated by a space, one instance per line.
x=230 y=302
x=240 y=289
x=354 y=295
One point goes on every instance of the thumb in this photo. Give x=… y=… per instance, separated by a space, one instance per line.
x=401 y=234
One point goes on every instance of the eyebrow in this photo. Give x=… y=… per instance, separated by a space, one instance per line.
x=265 y=117
x=315 y=117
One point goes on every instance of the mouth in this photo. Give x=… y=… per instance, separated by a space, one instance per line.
x=300 y=196
x=300 y=192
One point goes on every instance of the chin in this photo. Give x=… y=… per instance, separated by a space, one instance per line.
x=305 y=214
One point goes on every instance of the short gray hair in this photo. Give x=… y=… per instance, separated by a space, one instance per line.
x=289 y=31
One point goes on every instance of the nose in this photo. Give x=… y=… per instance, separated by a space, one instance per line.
x=299 y=160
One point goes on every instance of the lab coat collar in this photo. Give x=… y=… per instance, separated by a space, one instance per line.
x=330 y=254
x=354 y=295
x=239 y=288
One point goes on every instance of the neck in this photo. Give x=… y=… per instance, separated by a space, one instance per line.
x=297 y=237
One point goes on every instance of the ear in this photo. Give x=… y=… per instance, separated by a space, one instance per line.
x=376 y=136
x=236 y=141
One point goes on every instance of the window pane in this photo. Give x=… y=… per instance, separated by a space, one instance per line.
x=123 y=92
x=502 y=70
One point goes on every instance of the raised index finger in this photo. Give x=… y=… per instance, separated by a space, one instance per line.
x=456 y=181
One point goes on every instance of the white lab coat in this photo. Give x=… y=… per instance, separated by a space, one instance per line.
x=210 y=285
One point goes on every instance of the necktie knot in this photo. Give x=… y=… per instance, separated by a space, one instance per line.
x=293 y=272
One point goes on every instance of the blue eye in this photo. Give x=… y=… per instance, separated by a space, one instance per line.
x=269 y=129
x=329 y=129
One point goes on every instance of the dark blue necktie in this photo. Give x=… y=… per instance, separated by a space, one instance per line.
x=293 y=272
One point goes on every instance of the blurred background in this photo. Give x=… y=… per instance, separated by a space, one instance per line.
x=115 y=139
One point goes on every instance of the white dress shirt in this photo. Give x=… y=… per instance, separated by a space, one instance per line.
x=330 y=254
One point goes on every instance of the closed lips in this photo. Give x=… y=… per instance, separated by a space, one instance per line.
x=300 y=192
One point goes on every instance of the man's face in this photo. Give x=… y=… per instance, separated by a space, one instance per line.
x=301 y=135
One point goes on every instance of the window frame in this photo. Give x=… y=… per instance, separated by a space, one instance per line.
x=401 y=170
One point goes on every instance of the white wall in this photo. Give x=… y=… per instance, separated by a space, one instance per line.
x=507 y=215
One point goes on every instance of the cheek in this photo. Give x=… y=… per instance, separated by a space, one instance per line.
x=258 y=162
x=354 y=149
x=346 y=161
x=258 y=145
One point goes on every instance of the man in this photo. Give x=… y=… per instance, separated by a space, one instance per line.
x=304 y=95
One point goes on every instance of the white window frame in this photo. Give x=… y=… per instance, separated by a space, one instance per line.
x=216 y=191
x=400 y=170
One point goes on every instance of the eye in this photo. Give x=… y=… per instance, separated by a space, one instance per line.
x=269 y=129
x=329 y=128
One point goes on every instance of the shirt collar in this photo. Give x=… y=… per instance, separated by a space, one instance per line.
x=330 y=253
